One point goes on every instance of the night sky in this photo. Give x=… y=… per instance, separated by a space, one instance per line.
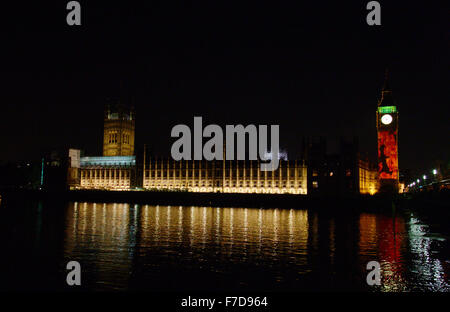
x=313 y=68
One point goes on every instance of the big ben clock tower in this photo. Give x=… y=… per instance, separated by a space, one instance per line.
x=387 y=132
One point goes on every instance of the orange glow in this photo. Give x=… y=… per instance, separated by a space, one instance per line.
x=387 y=155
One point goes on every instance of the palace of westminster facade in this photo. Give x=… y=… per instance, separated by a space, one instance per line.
x=118 y=169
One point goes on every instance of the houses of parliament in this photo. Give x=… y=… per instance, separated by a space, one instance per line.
x=346 y=172
x=117 y=169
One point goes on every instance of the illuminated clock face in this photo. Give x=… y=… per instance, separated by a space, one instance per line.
x=386 y=119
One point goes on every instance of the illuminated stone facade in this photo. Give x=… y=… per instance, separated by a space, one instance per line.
x=116 y=170
x=108 y=172
x=118 y=133
x=225 y=176
x=368 y=178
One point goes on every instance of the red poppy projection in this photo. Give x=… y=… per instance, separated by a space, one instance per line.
x=387 y=154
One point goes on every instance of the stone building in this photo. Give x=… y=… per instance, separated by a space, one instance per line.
x=345 y=172
x=116 y=169
x=236 y=176
x=118 y=130
x=317 y=173
x=108 y=172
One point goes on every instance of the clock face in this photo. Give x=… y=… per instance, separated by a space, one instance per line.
x=386 y=119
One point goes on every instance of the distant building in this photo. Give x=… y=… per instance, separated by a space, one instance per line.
x=20 y=175
x=368 y=177
x=338 y=174
x=73 y=174
x=238 y=176
x=346 y=172
x=116 y=169
x=108 y=172
x=56 y=169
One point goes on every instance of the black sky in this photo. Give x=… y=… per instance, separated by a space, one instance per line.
x=314 y=68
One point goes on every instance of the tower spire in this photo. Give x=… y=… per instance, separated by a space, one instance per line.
x=386 y=80
x=386 y=92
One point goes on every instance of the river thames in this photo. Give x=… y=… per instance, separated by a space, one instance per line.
x=124 y=247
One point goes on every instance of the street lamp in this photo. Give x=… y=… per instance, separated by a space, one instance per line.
x=434 y=171
x=418 y=180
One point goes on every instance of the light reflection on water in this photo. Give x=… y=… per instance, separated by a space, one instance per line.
x=122 y=246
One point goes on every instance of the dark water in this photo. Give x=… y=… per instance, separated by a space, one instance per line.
x=145 y=247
